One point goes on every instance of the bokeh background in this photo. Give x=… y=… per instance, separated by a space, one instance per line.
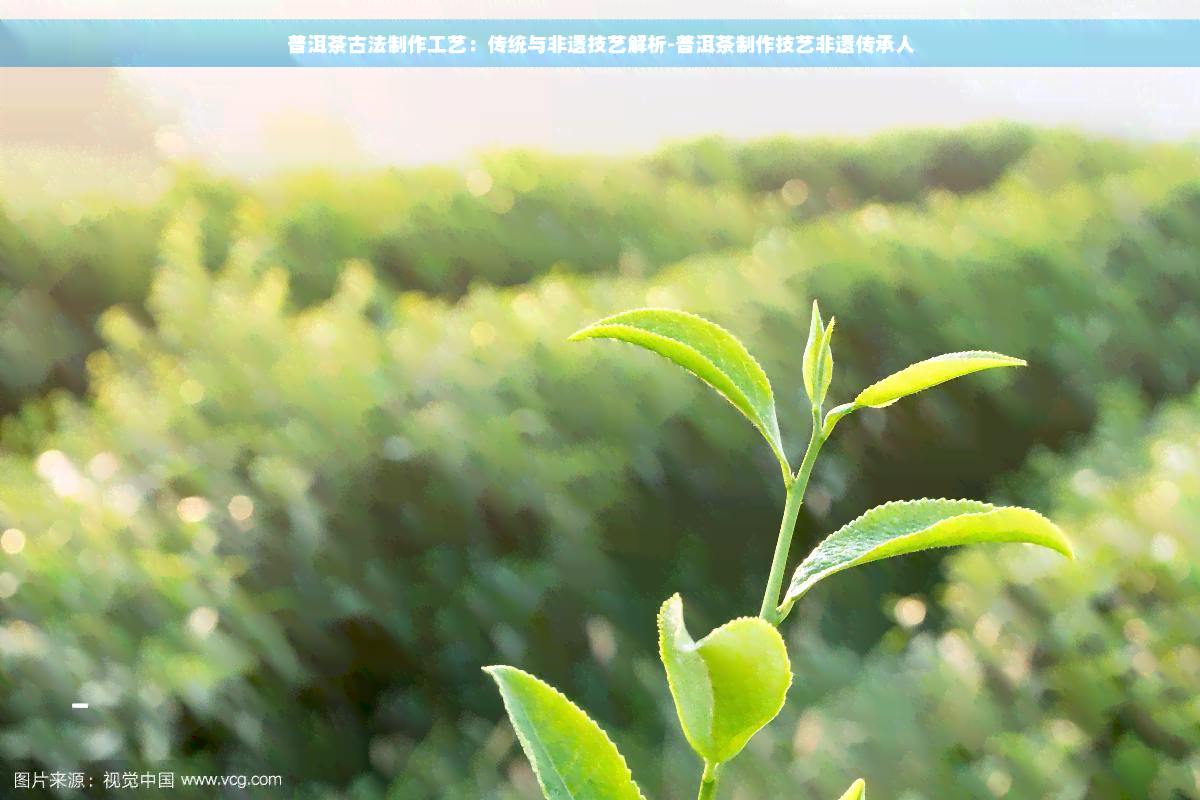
x=293 y=442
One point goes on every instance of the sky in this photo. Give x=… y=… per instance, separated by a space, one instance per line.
x=251 y=122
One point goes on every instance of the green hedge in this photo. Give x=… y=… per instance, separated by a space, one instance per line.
x=1110 y=641
x=436 y=229
x=893 y=167
x=440 y=486
x=55 y=280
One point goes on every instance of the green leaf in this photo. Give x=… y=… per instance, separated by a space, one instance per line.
x=924 y=374
x=824 y=375
x=834 y=416
x=857 y=791
x=903 y=527
x=572 y=757
x=706 y=350
x=728 y=685
x=812 y=353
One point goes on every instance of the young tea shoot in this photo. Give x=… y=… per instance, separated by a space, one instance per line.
x=734 y=681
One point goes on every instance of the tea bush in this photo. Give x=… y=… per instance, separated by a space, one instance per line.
x=513 y=217
x=283 y=541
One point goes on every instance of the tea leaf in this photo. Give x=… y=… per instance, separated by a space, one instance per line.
x=824 y=375
x=925 y=374
x=903 y=527
x=572 y=757
x=706 y=350
x=857 y=791
x=812 y=353
x=834 y=416
x=728 y=685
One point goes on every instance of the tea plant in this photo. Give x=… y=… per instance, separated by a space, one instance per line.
x=731 y=683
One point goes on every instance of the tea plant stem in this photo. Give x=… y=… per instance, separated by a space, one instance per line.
x=708 y=782
x=791 y=510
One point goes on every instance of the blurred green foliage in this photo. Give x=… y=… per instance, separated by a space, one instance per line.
x=288 y=524
x=506 y=220
x=1052 y=678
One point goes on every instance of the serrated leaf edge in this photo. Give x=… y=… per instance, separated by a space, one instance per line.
x=490 y=670
x=1013 y=362
x=786 y=605
x=768 y=428
x=697 y=644
x=759 y=622
x=662 y=654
